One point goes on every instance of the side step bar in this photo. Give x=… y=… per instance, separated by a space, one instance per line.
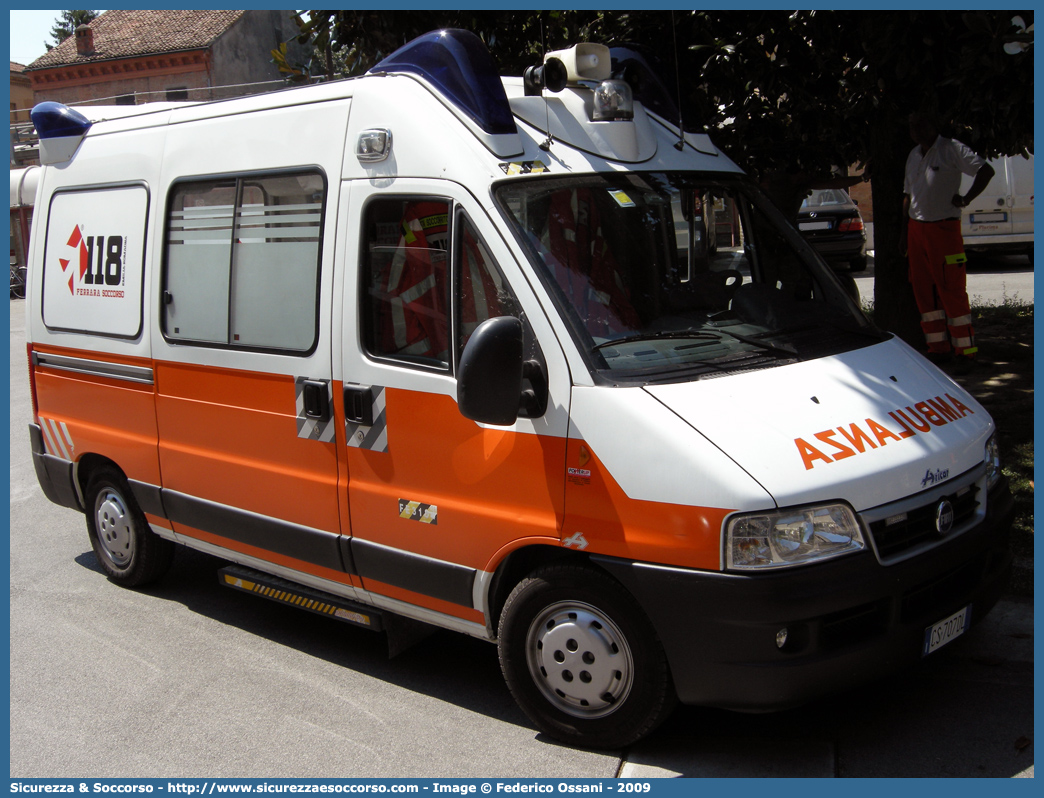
x=305 y=598
x=402 y=632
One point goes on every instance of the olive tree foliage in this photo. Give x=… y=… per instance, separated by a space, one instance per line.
x=810 y=90
x=804 y=91
x=348 y=43
x=954 y=65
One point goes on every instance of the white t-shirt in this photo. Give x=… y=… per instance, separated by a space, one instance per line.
x=933 y=178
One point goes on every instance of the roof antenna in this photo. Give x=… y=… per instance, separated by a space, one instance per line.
x=546 y=146
x=680 y=144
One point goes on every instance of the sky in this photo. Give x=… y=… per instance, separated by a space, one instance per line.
x=29 y=31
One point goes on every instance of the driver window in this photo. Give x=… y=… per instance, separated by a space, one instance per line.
x=406 y=286
x=406 y=301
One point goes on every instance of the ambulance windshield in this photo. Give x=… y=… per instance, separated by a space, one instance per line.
x=666 y=276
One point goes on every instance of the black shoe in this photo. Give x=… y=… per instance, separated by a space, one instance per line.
x=939 y=358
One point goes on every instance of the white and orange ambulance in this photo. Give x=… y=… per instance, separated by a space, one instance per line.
x=514 y=357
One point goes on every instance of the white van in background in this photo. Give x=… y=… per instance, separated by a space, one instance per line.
x=1001 y=218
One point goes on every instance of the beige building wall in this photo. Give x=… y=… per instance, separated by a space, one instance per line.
x=21 y=93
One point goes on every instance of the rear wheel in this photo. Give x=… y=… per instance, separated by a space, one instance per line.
x=581 y=659
x=858 y=264
x=130 y=553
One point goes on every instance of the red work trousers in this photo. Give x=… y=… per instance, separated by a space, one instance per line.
x=939 y=280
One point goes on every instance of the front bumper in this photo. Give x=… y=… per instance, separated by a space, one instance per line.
x=849 y=620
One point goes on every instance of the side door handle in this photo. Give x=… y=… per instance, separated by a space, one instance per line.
x=358 y=404
x=316 y=400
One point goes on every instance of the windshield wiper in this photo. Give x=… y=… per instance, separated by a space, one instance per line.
x=786 y=349
x=656 y=336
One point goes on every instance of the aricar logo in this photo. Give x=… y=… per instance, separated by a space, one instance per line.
x=97 y=264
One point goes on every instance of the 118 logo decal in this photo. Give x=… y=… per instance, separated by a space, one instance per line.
x=100 y=263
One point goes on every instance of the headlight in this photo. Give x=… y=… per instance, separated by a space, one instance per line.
x=993 y=464
x=791 y=537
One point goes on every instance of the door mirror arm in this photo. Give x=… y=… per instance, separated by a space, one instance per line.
x=534 y=396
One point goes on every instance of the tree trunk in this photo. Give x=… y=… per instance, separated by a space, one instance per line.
x=894 y=307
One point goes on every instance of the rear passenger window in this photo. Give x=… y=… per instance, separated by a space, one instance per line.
x=242 y=262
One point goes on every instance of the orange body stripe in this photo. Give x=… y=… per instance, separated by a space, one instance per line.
x=268 y=556
x=438 y=605
x=113 y=418
x=656 y=532
x=491 y=486
x=231 y=437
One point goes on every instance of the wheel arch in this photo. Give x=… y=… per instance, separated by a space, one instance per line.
x=521 y=562
x=85 y=467
x=128 y=551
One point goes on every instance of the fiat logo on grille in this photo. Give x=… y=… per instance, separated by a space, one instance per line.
x=944 y=517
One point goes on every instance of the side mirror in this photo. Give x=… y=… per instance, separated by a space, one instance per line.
x=489 y=380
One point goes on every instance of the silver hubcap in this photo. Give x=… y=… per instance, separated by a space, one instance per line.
x=579 y=659
x=115 y=528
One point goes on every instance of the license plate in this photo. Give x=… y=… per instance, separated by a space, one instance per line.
x=948 y=629
x=814 y=225
x=987 y=218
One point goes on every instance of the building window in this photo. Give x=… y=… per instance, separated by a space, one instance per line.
x=178 y=95
x=125 y=99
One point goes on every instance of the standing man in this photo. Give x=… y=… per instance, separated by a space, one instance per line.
x=932 y=237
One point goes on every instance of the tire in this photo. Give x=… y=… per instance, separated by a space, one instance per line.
x=18 y=282
x=857 y=264
x=130 y=553
x=581 y=659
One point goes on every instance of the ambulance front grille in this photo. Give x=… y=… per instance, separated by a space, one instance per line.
x=916 y=528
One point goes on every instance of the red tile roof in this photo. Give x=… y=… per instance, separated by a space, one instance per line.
x=126 y=34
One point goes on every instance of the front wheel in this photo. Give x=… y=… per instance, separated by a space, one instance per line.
x=581 y=660
x=130 y=553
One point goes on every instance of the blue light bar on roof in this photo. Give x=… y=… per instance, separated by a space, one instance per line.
x=53 y=120
x=458 y=64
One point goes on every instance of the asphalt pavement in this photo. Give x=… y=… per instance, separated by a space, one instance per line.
x=188 y=679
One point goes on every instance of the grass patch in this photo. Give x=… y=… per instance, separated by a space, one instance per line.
x=1004 y=385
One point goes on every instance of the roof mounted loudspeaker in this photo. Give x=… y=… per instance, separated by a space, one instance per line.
x=551 y=76
x=584 y=61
